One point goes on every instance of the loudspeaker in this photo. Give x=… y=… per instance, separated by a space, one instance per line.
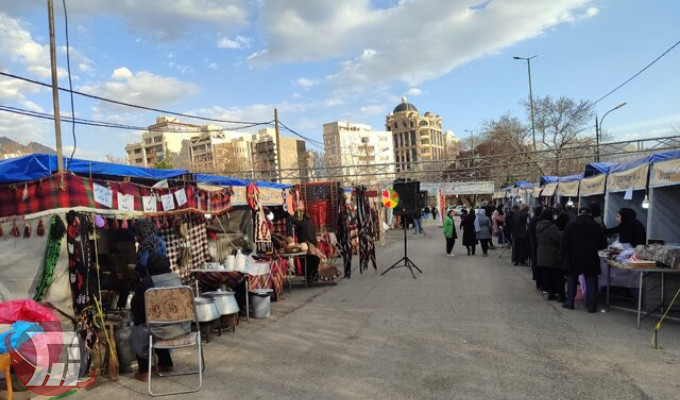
x=408 y=191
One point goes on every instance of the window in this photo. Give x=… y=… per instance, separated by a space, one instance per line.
x=137 y=151
x=413 y=124
x=414 y=154
x=423 y=123
x=413 y=138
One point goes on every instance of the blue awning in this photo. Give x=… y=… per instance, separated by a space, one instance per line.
x=570 y=178
x=524 y=184
x=37 y=166
x=593 y=169
x=220 y=180
x=645 y=160
x=549 y=179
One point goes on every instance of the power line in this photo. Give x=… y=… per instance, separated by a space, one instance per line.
x=70 y=84
x=89 y=122
x=121 y=103
x=641 y=71
x=312 y=141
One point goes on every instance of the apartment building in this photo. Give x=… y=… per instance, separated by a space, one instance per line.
x=358 y=154
x=165 y=138
x=416 y=138
x=265 y=162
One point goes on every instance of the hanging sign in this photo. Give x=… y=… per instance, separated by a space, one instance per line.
x=181 y=197
x=150 y=204
x=594 y=185
x=238 y=196
x=271 y=196
x=126 y=202
x=634 y=178
x=537 y=192
x=102 y=195
x=390 y=198
x=568 y=189
x=549 y=190
x=168 y=202
x=665 y=173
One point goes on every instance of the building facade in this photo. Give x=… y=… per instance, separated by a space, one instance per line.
x=357 y=153
x=167 y=138
x=416 y=138
x=452 y=145
x=265 y=161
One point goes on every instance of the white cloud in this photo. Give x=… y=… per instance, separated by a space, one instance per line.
x=143 y=88
x=306 y=82
x=373 y=110
x=172 y=20
x=24 y=129
x=405 y=41
x=213 y=66
x=240 y=42
x=414 y=91
x=332 y=102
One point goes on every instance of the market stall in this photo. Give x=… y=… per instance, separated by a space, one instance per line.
x=626 y=188
x=567 y=190
x=664 y=198
x=549 y=184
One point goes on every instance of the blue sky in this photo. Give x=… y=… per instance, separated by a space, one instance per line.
x=320 y=61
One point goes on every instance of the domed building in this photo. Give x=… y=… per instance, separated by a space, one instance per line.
x=416 y=138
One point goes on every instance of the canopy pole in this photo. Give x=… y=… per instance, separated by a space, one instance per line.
x=55 y=88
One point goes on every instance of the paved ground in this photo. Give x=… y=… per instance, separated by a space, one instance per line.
x=467 y=328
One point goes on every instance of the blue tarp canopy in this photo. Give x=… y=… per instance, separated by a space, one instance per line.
x=228 y=181
x=570 y=178
x=523 y=184
x=593 y=169
x=272 y=185
x=646 y=160
x=220 y=180
x=549 y=179
x=37 y=166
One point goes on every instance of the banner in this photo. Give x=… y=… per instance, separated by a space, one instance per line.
x=549 y=190
x=271 y=196
x=458 y=188
x=499 y=195
x=238 y=197
x=568 y=189
x=665 y=173
x=537 y=192
x=593 y=186
x=634 y=178
x=441 y=207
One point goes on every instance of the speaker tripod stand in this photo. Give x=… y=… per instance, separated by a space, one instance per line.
x=405 y=260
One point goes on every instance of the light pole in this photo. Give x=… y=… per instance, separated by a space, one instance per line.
x=598 y=129
x=472 y=140
x=531 y=97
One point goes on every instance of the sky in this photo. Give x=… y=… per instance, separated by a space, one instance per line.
x=320 y=61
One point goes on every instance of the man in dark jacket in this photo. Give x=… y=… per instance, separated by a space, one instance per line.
x=548 y=258
x=630 y=230
x=306 y=233
x=580 y=243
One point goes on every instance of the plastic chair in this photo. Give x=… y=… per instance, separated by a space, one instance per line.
x=173 y=305
x=6 y=364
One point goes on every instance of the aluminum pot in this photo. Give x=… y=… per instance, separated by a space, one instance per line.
x=206 y=310
x=225 y=301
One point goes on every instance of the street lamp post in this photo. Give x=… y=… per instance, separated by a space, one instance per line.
x=531 y=97
x=598 y=130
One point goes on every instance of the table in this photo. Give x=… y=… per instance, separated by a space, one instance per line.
x=642 y=272
x=221 y=279
x=291 y=264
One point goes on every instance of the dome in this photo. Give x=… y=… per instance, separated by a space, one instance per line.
x=404 y=106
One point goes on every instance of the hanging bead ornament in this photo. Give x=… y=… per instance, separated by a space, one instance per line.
x=41 y=229
x=124 y=225
x=27 y=231
x=24 y=194
x=15 y=230
x=115 y=224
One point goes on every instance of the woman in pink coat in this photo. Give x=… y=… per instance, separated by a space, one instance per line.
x=498 y=221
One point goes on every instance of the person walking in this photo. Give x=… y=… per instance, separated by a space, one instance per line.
x=533 y=246
x=498 y=220
x=548 y=257
x=450 y=233
x=520 y=239
x=483 y=231
x=581 y=241
x=469 y=234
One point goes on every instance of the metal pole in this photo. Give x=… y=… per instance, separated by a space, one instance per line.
x=278 y=144
x=531 y=103
x=597 y=140
x=55 y=88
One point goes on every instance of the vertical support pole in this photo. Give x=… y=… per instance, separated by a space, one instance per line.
x=55 y=88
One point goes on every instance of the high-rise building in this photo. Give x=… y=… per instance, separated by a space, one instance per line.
x=416 y=138
x=164 y=139
x=235 y=157
x=293 y=158
x=452 y=144
x=358 y=153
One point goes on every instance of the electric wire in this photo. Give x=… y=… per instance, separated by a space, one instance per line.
x=137 y=106
x=70 y=84
x=639 y=72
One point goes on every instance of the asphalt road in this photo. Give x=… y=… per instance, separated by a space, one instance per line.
x=467 y=328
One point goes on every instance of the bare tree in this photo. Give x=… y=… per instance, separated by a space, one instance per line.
x=559 y=124
x=316 y=163
x=115 y=159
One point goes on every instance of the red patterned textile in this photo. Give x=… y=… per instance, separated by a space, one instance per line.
x=71 y=191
